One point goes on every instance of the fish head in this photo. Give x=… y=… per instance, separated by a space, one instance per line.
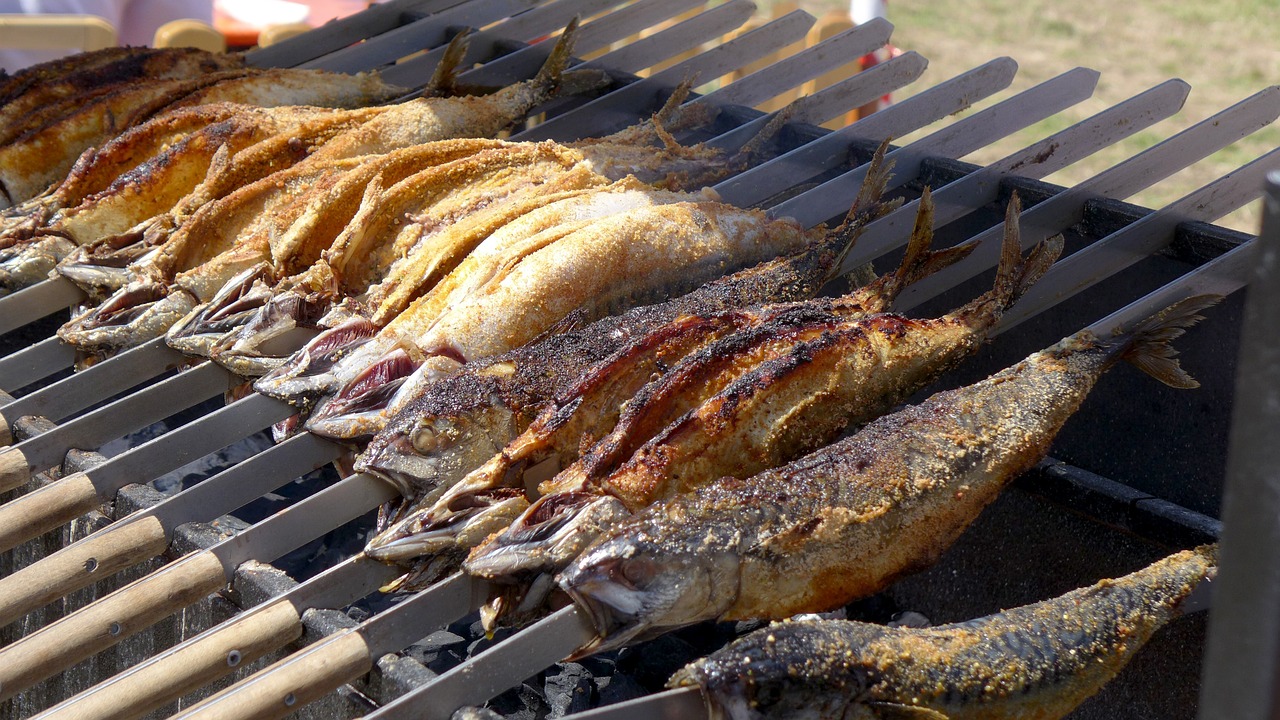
x=790 y=669
x=437 y=449
x=637 y=582
x=138 y=312
x=547 y=536
x=308 y=373
x=457 y=521
x=387 y=386
x=28 y=263
x=209 y=323
x=261 y=316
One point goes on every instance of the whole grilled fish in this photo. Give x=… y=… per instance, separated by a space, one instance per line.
x=618 y=391
x=784 y=392
x=1037 y=661
x=428 y=246
x=463 y=420
x=842 y=522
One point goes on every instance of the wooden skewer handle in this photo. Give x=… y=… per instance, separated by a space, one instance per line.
x=164 y=679
x=15 y=471
x=96 y=557
x=45 y=509
x=107 y=621
x=6 y=435
x=291 y=683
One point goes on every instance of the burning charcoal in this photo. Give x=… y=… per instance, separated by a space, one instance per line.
x=569 y=690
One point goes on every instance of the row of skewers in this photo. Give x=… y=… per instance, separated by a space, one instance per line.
x=471 y=297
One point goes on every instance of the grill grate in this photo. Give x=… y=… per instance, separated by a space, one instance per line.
x=812 y=182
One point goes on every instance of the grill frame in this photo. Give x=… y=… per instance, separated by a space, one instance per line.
x=1056 y=481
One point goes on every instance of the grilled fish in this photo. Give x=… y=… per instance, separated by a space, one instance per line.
x=842 y=522
x=459 y=422
x=1036 y=661
x=30 y=94
x=754 y=401
x=613 y=264
x=618 y=393
x=525 y=177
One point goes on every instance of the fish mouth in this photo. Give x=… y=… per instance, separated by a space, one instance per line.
x=456 y=523
x=356 y=410
x=138 y=312
x=308 y=373
x=105 y=265
x=25 y=264
x=434 y=452
x=546 y=537
x=611 y=602
x=233 y=305
x=262 y=316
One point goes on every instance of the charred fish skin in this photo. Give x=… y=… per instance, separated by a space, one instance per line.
x=761 y=397
x=1037 y=661
x=459 y=422
x=843 y=522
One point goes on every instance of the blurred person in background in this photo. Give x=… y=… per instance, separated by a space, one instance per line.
x=135 y=21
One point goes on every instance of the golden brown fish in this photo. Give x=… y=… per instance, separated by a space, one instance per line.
x=1036 y=662
x=843 y=522
x=458 y=423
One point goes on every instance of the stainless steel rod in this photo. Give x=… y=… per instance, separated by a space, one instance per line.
x=957 y=140
x=35 y=363
x=754 y=186
x=1140 y=171
x=96 y=383
x=1140 y=239
x=338 y=34
x=1049 y=155
x=32 y=303
x=421 y=35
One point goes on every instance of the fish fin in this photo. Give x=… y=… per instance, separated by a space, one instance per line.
x=868 y=206
x=444 y=81
x=919 y=261
x=1147 y=345
x=549 y=76
x=1014 y=275
x=896 y=711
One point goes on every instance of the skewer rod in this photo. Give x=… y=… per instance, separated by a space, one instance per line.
x=35 y=363
x=115 y=548
x=92 y=629
x=32 y=303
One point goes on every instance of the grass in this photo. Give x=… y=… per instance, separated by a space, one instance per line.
x=1226 y=49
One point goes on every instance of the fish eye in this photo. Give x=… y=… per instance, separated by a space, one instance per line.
x=434 y=435
x=424 y=438
x=638 y=572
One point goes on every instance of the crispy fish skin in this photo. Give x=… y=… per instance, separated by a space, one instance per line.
x=97 y=168
x=462 y=420
x=616 y=263
x=843 y=522
x=42 y=156
x=1036 y=662
x=293 y=86
x=770 y=395
x=47 y=85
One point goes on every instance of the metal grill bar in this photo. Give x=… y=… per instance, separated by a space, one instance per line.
x=31 y=304
x=31 y=364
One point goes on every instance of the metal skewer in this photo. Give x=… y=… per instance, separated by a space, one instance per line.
x=1120 y=181
x=137 y=606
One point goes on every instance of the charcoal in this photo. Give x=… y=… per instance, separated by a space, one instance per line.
x=653 y=662
x=617 y=688
x=475 y=713
x=569 y=689
x=522 y=703
x=439 y=640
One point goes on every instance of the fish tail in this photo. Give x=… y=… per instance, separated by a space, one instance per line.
x=920 y=261
x=444 y=81
x=1147 y=346
x=1015 y=275
x=550 y=75
x=868 y=206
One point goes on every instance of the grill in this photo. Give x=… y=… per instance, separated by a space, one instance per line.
x=173 y=599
